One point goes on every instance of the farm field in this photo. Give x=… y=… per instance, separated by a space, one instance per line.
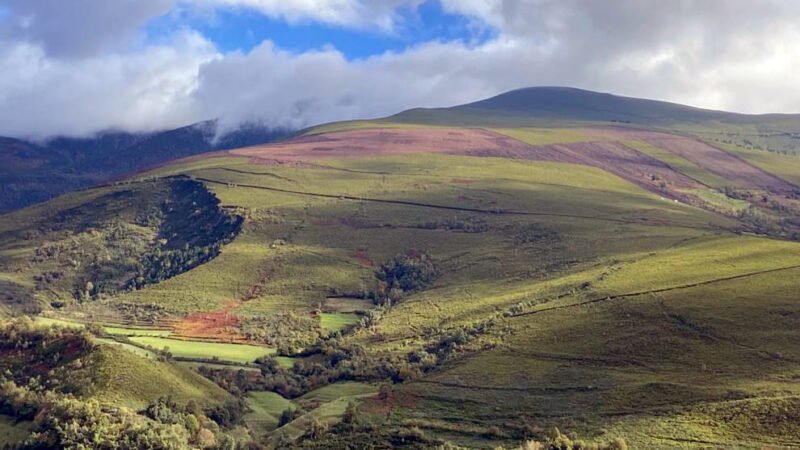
x=241 y=353
x=110 y=329
x=337 y=321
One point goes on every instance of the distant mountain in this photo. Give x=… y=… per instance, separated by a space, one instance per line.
x=33 y=172
x=564 y=103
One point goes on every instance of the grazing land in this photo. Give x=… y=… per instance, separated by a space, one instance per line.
x=241 y=353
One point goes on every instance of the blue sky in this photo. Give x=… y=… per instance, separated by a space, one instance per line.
x=74 y=67
x=242 y=29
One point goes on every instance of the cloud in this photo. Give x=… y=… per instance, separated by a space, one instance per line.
x=149 y=89
x=731 y=54
x=78 y=28
x=382 y=14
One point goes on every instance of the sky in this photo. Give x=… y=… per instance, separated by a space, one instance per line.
x=76 y=67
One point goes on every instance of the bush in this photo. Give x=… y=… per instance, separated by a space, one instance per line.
x=288 y=415
x=404 y=274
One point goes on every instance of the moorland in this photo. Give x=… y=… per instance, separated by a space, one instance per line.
x=549 y=268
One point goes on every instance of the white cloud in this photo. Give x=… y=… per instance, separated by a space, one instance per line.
x=731 y=54
x=149 y=89
x=78 y=28
x=380 y=14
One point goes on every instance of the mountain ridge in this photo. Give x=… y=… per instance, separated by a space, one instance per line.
x=561 y=102
x=37 y=171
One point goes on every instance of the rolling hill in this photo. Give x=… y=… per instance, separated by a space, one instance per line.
x=621 y=270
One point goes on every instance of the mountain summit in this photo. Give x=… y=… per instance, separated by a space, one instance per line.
x=566 y=103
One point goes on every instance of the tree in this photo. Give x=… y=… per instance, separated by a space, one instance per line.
x=316 y=429
x=287 y=416
x=402 y=274
x=350 y=415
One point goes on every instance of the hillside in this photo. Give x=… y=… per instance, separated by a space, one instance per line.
x=32 y=172
x=62 y=385
x=426 y=279
x=559 y=106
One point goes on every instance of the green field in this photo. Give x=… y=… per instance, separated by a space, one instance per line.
x=329 y=403
x=337 y=321
x=266 y=410
x=110 y=329
x=349 y=389
x=124 y=331
x=240 y=353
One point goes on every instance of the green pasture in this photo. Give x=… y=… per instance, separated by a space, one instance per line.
x=337 y=321
x=121 y=377
x=240 y=353
x=266 y=409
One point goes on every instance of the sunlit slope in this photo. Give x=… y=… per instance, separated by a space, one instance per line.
x=70 y=361
x=560 y=107
x=658 y=347
x=93 y=244
x=124 y=378
x=606 y=280
x=336 y=222
x=612 y=308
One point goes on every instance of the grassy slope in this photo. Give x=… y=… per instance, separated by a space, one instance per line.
x=324 y=248
x=785 y=166
x=333 y=401
x=581 y=364
x=484 y=273
x=124 y=378
x=51 y=253
x=240 y=353
x=649 y=366
x=266 y=411
x=268 y=406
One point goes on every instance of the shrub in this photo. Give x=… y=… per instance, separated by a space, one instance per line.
x=404 y=274
x=288 y=415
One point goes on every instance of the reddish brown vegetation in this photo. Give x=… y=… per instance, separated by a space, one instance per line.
x=606 y=150
x=363 y=258
x=216 y=325
x=717 y=161
x=348 y=144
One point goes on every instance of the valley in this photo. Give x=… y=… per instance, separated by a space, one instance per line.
x=436 y=278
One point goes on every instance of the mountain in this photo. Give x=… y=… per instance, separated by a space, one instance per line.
x=32 y=172
x=571 y=104
x=553 y=272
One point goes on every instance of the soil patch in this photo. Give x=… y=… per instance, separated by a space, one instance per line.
x=216 y=325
